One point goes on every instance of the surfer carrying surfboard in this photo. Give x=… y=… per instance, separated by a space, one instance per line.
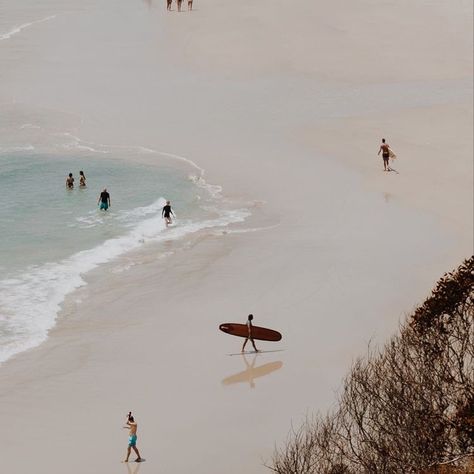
x=385 y=149
x=132 y=438
x=249 y=327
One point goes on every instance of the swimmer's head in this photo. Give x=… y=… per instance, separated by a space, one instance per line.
x=383 y=140
x=70 y=175
x=81 y=173
x=250 y=317
x=168 y=202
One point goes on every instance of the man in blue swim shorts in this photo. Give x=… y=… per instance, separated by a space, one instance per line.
x=132 y=438
x=104 y=200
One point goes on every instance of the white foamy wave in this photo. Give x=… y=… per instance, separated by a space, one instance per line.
x=13 y=149
x=29 y=303
x=142 y=211
x=18 y=29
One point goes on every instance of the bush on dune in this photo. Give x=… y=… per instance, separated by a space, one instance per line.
x=406 y=408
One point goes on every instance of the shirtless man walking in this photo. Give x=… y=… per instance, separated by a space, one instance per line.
x=385 y=149
x=132 y=438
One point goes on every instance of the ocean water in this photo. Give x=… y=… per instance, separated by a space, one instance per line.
x=51 y=237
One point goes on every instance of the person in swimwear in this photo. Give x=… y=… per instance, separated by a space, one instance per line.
x=82 y=179
x=70 y=181
x=132 y=437
x=179 y=2
x=249 y=327
x=166 y=213
x=385 y=149
x=104 y=200
x=190 y=4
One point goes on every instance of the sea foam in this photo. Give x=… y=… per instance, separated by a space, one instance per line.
x=31 y=302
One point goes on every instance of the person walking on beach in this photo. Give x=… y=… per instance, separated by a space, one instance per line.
x=70 y=181
x=132 y=437
x=166 y=213
x=179 y=2
x=385 y=149
x=82 y=179
x=249 y=327
x=190 y=5
x=104 y=200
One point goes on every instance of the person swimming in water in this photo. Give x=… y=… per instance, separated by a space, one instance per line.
x=104 y=200
x=385 y=149
x=132 y=438
x=70 y=181
x=166 y=213
x=82 y=179
x=249 y=327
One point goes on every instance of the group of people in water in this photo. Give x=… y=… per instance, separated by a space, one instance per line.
x=70 y=180
x=104 y=201
x=179 y=4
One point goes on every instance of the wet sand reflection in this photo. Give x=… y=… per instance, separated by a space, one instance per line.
x=251 y=372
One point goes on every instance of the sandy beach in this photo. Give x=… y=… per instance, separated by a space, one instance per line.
x=284 y=107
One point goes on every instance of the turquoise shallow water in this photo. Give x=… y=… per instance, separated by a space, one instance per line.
x=53 y=236
x=43 y=221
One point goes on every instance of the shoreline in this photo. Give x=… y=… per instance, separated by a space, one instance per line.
x=334 y=266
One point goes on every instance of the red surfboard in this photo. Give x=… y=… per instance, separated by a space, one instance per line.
x=258 y=333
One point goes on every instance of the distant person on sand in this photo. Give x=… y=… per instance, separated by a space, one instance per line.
x=249 y=327
x=132 y=438
x=70 y=181
x=82 y=179
x=190 y=4
x=104 y=200
x=385 y=149
x=168 y=4
x=179 y=2
x=166 y=213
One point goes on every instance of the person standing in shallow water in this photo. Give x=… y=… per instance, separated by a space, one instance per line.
x=82 y=179
x=249 y=327
x=132 y=438
x=190 y=5
x=70 y=181
x=168 y=4
x=104 y=200
x=179 y=2
x=166 y=213
x=385 y=149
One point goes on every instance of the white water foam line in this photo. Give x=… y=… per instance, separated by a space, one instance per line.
x=18 y=29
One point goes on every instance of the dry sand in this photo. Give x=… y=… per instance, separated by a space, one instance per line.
x=284 y=106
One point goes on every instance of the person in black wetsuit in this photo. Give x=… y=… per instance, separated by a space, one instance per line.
x=166 y=213
x=249 y=327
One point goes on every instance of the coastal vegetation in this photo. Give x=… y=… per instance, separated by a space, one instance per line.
x=407 y=407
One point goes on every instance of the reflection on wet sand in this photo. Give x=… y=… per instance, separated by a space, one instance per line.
x=251 y=372
x=133 y=470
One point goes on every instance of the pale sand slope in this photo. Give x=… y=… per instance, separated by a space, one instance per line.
x=267 y=98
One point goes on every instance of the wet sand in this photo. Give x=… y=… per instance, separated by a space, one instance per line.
x=284 y=108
